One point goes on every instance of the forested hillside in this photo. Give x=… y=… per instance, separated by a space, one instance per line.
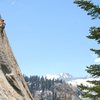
x=47 y=89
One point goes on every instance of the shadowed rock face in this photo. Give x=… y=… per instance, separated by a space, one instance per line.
x=12 y=83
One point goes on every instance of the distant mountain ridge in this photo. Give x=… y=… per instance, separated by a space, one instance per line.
x=71 y=79
x=61 y=76
x=74 y=81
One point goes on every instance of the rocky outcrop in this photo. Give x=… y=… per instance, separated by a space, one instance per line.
x=12 y=83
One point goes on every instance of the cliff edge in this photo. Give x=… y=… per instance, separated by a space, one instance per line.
x=12 y=83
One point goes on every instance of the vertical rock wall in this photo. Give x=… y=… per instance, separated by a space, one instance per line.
x=12 y=83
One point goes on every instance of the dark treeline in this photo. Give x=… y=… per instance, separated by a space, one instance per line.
x=43 y=88
x=40 y=83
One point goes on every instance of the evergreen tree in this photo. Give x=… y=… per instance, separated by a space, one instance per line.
x=26 y=78
x=43 y=85
x=94 y=70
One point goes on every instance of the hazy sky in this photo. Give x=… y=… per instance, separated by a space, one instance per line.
x=49 y=36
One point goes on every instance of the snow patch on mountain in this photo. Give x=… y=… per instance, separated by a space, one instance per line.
x=74 y=81
x=61 y=76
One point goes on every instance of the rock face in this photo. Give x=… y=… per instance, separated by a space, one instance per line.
x=12 y=83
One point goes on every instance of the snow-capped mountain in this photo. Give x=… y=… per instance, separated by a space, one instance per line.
x=61 y=76
x=68 y=78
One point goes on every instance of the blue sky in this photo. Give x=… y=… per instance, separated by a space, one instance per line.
x=49 y=36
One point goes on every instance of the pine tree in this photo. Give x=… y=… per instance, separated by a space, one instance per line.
x=94 y=33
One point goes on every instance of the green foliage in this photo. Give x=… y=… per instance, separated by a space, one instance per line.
x=94 y=70
x=92 y=92
x=96 y=52
x=95 y=82
x=93 y=10
x=94 y=33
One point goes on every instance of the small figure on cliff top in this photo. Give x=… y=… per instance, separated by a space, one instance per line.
x=2 y=25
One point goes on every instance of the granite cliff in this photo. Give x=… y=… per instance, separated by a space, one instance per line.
x=12 y=83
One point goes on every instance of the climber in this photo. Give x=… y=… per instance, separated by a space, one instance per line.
x=2 y=25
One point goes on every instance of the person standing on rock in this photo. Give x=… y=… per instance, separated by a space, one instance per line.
x=2 y=26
